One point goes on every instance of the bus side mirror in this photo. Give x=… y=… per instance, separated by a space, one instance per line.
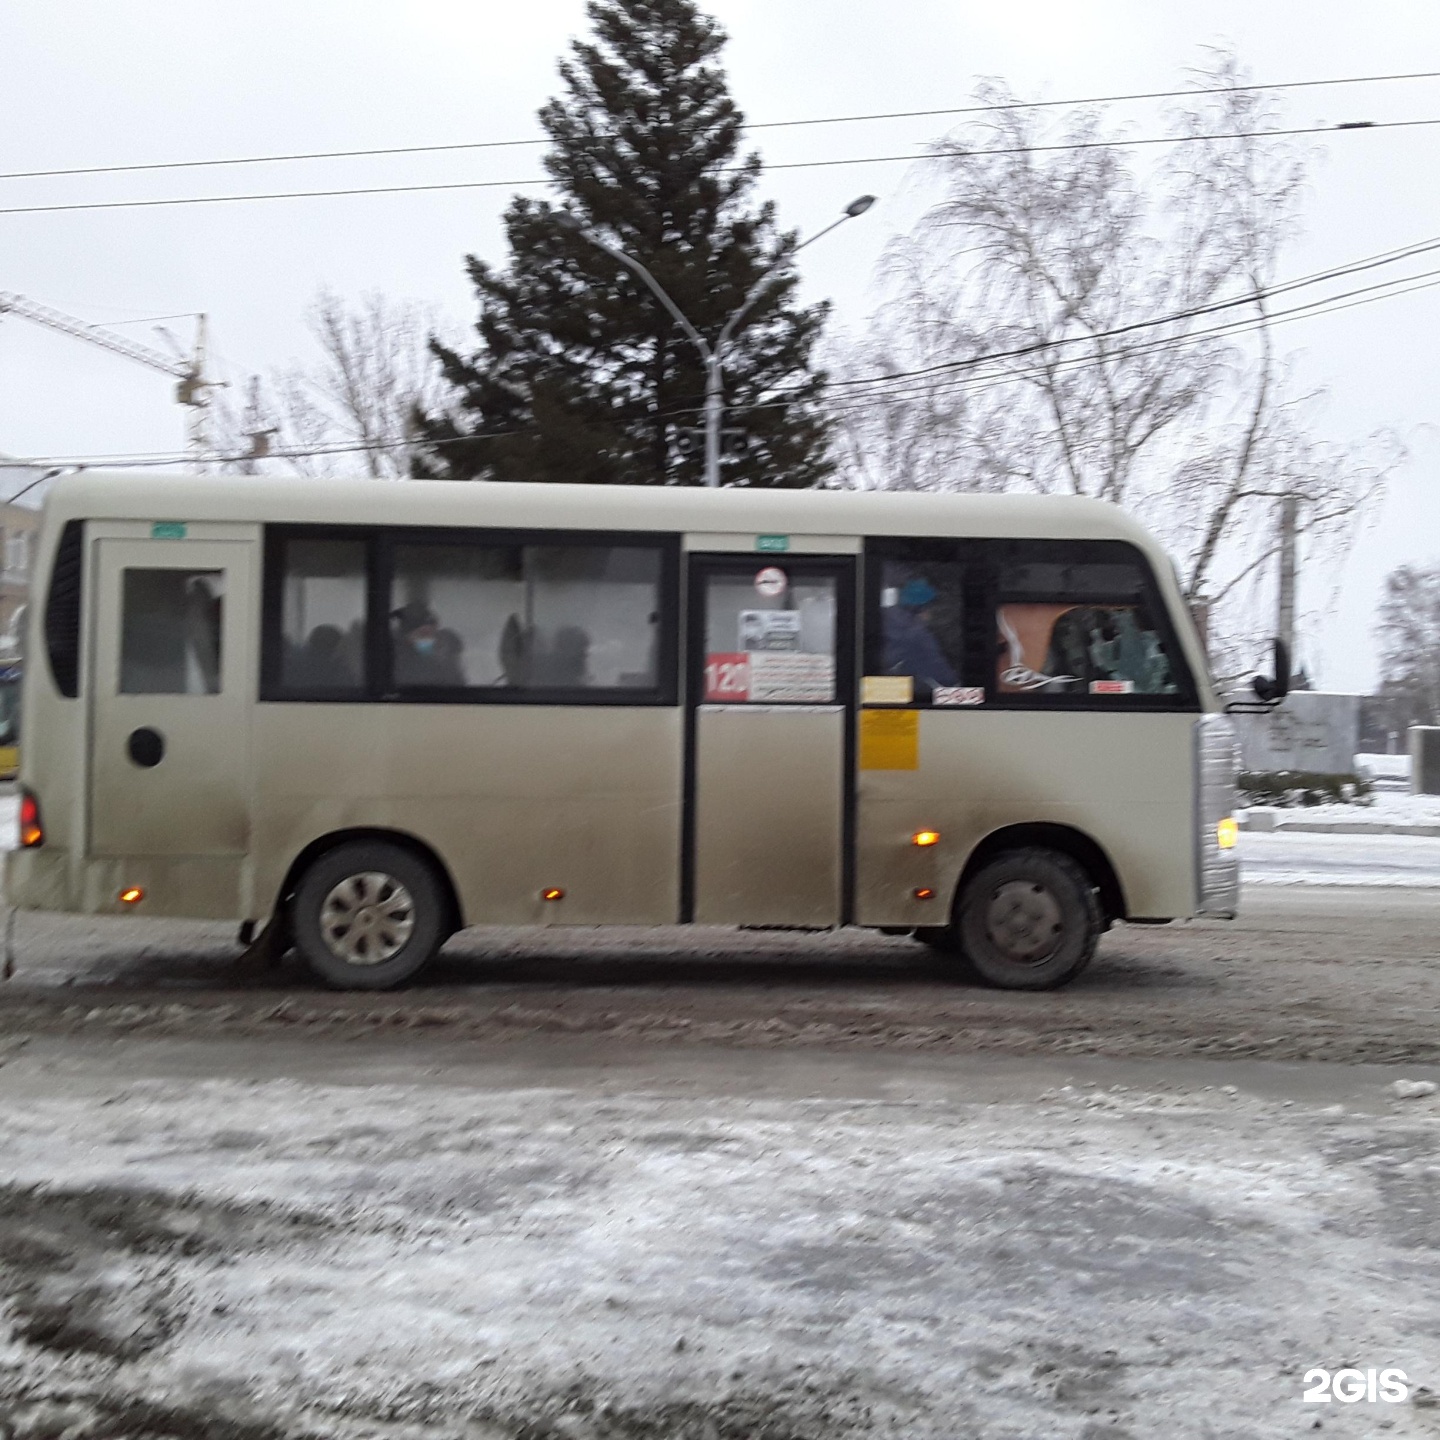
x=1272 y=689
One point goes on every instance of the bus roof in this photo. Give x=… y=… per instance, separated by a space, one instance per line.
x=97 y=495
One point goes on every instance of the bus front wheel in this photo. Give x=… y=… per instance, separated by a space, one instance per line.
x=1029 y=920
x=368 y=915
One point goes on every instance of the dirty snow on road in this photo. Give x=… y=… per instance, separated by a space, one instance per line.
x=463 y=1257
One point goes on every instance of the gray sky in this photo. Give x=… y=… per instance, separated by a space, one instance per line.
x=90 y=82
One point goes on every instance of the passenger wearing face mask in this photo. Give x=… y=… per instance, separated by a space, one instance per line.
x=420 y=657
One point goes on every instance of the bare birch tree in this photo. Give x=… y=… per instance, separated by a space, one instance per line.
x=1408 y=628
x=373 y=368
x=1059 y=323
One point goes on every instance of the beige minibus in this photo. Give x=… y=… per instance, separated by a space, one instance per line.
x=359 y=716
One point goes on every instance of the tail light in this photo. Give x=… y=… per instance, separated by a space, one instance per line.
x=32 y=832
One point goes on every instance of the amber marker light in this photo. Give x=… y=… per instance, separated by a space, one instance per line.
x=1227 y=832
x=925 y=837
x=32 y=832
x=131 y=895
x=552 y=894
x=924 y=893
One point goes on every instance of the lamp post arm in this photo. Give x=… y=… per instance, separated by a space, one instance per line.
x=713 y=355
x=763 y=284
x=659 y=291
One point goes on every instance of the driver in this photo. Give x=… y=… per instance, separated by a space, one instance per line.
x=910 y=647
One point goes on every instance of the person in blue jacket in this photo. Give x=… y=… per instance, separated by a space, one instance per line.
x=910 y=648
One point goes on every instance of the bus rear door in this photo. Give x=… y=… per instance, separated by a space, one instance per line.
x=172 y=687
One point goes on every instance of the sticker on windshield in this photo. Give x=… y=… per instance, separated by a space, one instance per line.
x=780 y=676
x=958 y=695
x=1112 y=687
x=769 y=629
x=771 y=581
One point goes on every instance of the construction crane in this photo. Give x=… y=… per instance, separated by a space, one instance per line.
x=192 y=389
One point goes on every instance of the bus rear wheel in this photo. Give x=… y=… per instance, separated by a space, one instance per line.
x=1029 y=920
x=368 y=915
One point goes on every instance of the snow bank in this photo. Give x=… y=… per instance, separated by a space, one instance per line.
x=1384 y=767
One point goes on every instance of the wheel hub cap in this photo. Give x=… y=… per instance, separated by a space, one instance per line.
x=366 y=919
x=1023 y=921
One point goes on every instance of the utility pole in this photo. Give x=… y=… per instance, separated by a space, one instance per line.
x=1285 y=617
x=712 y=355
x=192 y=389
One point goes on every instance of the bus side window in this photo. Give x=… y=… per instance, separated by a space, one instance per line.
x=481 y=615
x=915 y=631
x=322 y=617
x=170 y=632
x=1072 y=624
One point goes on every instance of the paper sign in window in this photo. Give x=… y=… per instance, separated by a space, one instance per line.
x=781 y=677
x=770 y=630
x=887 y=689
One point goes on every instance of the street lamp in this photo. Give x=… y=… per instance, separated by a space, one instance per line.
x=712 y=355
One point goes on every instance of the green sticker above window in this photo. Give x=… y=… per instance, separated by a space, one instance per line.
x=167 y=530
x=773 y=544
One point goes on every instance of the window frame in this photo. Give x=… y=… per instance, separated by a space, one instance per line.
x=1186 y=698
x=975 y=648
x=982 y=560
x=381 y=543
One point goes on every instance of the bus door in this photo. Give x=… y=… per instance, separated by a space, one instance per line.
x=770 y=689
x=172 y=685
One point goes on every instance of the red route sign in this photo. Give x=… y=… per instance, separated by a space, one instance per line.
x=727 y=678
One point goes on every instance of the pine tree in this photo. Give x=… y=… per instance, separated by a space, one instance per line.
x=577 y=359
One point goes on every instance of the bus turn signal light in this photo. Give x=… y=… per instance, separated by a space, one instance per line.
x=925 y=837
x=1227 y=832
x=131 y=895
x=552 y=894
x=924 y=893
x=32 y=832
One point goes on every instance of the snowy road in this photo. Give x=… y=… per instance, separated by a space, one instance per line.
x=553 y=1241
x=720 y=1185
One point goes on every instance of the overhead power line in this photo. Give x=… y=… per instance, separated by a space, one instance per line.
x=850 y=405
x=938 y=154
x=970 y=371
x=175 y=457
x=959 y=370
x=451 y=147
x=1337 y=272
x=980 y=382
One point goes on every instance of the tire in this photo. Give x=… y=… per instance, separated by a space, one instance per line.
x=368 y=915
x=1029 y=920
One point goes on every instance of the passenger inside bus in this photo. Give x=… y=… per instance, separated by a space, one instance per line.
x=321 y=663
x=910 y=646
x=421 y=656
x=526 y=659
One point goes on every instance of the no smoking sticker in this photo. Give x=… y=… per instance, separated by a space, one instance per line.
x=770 y=581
